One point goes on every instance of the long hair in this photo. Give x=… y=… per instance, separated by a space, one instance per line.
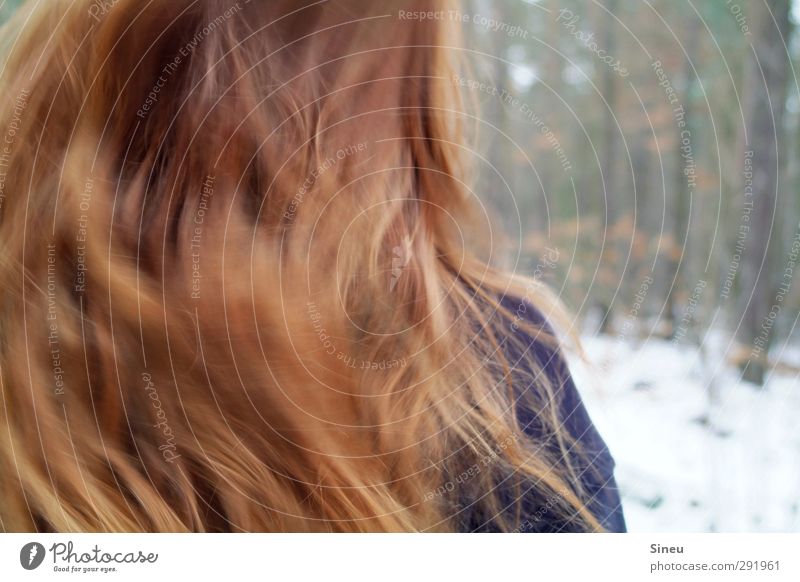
x=244 y=285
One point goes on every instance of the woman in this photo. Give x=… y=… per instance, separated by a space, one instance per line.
x=247 y=285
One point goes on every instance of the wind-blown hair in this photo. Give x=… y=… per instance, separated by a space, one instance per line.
x=244 y=284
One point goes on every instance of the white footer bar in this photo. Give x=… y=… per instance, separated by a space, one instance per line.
x=388 y=557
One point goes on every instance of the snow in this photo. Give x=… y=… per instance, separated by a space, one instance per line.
x=687 y=461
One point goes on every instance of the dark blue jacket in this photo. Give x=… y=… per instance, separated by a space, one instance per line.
x=594 y=465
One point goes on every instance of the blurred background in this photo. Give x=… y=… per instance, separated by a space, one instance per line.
x=642 y=156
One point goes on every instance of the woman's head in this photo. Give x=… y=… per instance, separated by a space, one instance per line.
x=244 y=280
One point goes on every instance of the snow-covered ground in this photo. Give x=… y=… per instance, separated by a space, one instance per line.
x=687 y=461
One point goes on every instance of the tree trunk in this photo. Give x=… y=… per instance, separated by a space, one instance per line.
x=681 y=219
x=764 y=108
x=609 y=159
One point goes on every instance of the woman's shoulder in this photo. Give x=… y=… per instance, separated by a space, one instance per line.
x=537 y=360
